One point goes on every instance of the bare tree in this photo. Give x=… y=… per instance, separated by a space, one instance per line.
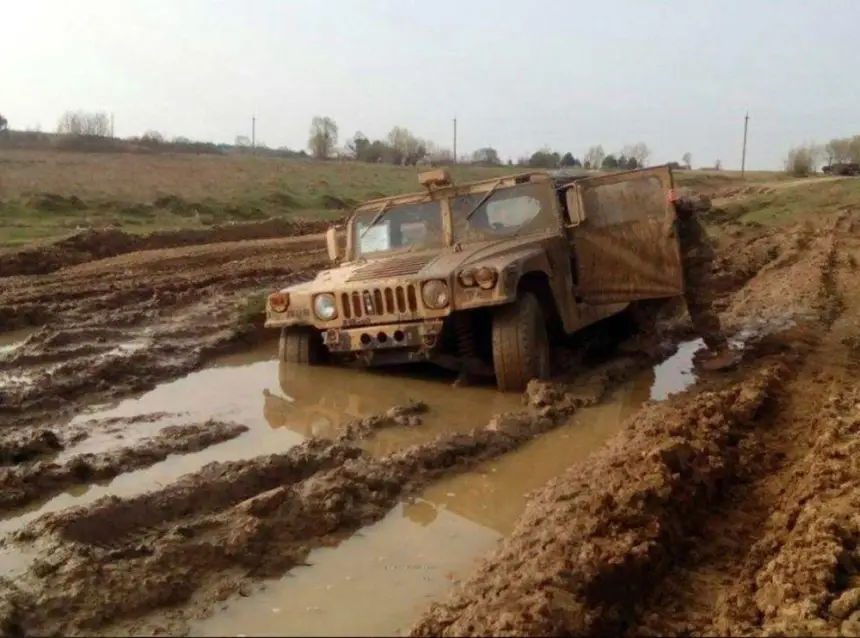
x=854 y=149
x=242 y=141
x=84 y=124
x=4 y=124
x=594 y=156
x=640 y=152
x=803 y=160
x=323 y=137
x=407 y=147
x=688 y=160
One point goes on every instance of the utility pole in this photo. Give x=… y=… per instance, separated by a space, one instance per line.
x=455 y=140
x=254 y=134
x=111 y=125
x=744 y=152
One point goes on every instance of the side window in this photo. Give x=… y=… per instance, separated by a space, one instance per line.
x=624 y=201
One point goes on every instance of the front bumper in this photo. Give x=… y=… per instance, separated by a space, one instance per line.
x=420 y=336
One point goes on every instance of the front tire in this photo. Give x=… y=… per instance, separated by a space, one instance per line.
x=302 y=346
x=520 y=344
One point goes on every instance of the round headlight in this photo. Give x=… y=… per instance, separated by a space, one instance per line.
x=467 y=278
x=324 y=307
x=435 y=294
x=486 y=277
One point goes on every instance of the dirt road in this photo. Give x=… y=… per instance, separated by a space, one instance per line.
x=728 y=507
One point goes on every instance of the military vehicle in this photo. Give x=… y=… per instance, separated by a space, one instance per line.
x=842 y=168
x=484 y=277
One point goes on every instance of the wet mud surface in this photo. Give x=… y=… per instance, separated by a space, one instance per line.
x=92 y=245
x=726 y=504
x=120 y=325
x=727 y=510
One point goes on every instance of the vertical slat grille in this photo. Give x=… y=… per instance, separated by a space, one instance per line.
x=412 y=298
x=384 y=301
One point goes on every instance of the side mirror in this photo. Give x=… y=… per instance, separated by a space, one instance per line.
x=573 y=207
x=331 y=243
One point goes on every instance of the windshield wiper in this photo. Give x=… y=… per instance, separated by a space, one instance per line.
x=484 y=199
x=380 y=213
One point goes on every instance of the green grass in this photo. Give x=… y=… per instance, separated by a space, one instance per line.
x=789 y=205
x=47 y=195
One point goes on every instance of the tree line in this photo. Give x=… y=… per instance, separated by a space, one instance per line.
x=808 y=158
x=401 y=146
x=92 y=131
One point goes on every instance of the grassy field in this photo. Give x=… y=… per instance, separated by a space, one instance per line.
x=46 y=195
x=788 y=204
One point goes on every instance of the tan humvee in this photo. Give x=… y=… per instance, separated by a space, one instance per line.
x=484 y=276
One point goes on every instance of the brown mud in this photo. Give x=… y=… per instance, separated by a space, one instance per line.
x=91 y=245
x=120 y=325
x=727 y=510
x=728 y=507
x=215 y=533
x=29 y=482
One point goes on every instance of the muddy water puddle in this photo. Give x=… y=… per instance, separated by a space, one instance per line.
x=380 y=579
x=280 y=404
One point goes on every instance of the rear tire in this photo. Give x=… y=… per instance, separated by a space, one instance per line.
x=520 y=344
x=302 y=346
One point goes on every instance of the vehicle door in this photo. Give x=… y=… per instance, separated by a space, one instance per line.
x=624 y=238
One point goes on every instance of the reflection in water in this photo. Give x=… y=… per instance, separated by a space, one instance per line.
x=495 y=495
x=676 y=373
x=419 y=511
x=378 y=581
x=373 y=584
x=318 y=401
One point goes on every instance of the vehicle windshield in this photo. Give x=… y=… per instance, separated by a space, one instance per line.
x=403 y=227
x=524 y=208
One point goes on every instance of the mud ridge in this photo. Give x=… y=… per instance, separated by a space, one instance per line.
x=23 y=485
x=100 y=244
x=407 y=416
x=802 y=577
x=213 y=533
x=19 y=447
x=584 y=552
x=778 y=557
x=77 y=362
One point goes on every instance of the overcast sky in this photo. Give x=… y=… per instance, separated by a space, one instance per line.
x=675 y=74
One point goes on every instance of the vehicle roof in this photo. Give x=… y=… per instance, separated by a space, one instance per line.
x=559 y=178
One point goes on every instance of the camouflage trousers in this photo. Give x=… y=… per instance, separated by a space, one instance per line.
x=698 y=298
x=697 y=294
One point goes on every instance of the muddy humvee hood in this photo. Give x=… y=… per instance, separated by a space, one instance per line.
x=435 y=264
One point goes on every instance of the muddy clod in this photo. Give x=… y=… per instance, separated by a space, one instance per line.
x=401 y=415
x=21 y=447
x=25 y=484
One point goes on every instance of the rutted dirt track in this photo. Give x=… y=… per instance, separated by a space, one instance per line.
x=728 y=508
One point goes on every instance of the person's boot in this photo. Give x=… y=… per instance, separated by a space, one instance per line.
x=720 y=358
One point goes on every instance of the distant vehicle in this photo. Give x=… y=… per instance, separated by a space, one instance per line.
x=484 y=276
x=842 y=168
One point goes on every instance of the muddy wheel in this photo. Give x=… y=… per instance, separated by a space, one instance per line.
x=300 y=345
x=520 y=344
